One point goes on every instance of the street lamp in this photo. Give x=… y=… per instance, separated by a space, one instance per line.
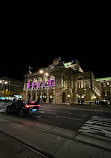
x=41 y=71
x=47 y=74
x=2 y=82
x=5 y=82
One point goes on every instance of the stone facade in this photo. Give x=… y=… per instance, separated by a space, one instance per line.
x=10 y=87
x=105 y=85
x=62 y=82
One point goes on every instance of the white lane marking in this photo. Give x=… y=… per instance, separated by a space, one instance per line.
x=42 y=112
x=98 y=123
x=96 y=118
x=71 y=118
x=98 y=126
x=47 y=112
x=38 y=116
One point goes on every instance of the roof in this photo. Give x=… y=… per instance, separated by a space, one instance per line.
x=103 y=79
x=67 y=64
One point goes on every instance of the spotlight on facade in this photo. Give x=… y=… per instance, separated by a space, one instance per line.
x=41 y=71
x=0 y=81
x=5 y=82
x=68 y=96
x=47 y=74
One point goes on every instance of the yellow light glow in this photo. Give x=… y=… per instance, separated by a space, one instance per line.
x=41 y=71
x=47 y=74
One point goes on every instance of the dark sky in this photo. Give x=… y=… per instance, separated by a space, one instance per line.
x=37 y=41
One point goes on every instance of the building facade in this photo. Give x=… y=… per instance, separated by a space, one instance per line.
x=10 y=88
x=62 y=82
x=105 y=85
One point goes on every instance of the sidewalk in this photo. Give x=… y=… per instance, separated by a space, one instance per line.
x=9 y=148
x=48 y=140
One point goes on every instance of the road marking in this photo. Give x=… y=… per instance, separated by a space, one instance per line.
x=42 y=112
x=38 y=116
x=47 y=112
x=100 y=126
x=69 y=118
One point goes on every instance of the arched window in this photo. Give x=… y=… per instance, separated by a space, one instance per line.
x=29 y=84
x=46 y=81
x=35 y=83
x=52 y=81
x=40 y=82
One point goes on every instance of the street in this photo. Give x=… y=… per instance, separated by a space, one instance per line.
x=66 y=117
x=86 y=126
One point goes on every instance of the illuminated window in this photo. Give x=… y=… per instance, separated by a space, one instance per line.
x=104 y=84
x=52 y=81
x=35 y=84
x=80 y=84
x=46 y=81
x=30 y=84
x=107 y=83
x=40 y=82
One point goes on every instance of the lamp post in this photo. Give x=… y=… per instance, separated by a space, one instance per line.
x=2 y=82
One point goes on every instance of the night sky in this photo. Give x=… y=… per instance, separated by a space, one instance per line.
x=37 y=41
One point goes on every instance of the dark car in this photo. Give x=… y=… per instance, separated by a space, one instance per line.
x=22 y=108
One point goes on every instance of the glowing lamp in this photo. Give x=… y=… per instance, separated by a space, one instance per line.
x=5 y=82
x=41 y=71
x=47 y=74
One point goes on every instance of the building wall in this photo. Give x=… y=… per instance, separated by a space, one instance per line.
x=70 y=86
x=105 y=85
x=10 y=87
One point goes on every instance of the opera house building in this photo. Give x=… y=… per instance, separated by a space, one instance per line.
x=62 y=82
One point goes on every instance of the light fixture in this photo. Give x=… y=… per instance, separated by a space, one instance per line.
x=5 y=82
x=41 y=71
x=47 y=74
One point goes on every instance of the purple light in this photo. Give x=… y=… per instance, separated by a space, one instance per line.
x=49 y=83
x=33 y=84
x=44 y=83
x=29 y=85
x=38 y=84
x=52 y=84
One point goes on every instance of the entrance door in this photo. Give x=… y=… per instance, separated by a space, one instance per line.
x=63 y=97
x=33 y=96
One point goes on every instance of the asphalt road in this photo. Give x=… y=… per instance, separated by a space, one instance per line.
x=63 y=116
x=91 y=128
x=66 y=117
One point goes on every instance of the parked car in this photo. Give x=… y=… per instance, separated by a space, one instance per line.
x=23 y=108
